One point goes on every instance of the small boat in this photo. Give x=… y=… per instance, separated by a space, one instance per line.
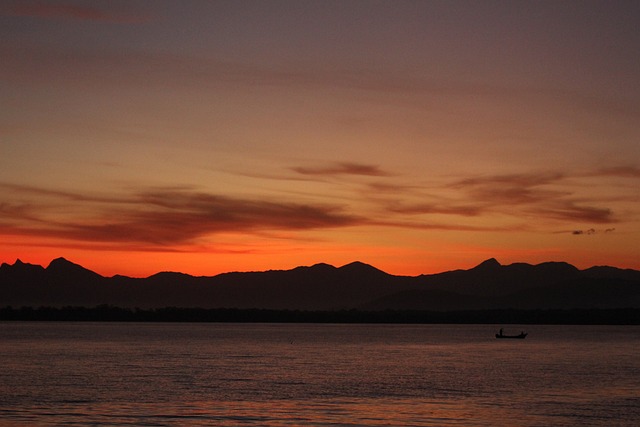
x=521 y=336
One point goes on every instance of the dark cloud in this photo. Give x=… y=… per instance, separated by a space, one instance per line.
x=589 y=231
x=342 y=168
x=162 y=217
x=579 y=232
x=532 y=195
x=569 y=211
x=521 y=180
x=70 y=11
x=165 y=216
x=452 y=226
x=511 y=189
x=445 y=209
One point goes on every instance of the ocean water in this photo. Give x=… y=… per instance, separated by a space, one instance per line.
x=165 y=374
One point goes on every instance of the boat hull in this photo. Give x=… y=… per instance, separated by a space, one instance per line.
x=517 y=337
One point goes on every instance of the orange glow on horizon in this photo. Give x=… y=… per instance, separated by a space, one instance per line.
x=183 y=144
x=396 y=261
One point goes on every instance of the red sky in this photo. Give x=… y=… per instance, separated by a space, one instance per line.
x=245 y=135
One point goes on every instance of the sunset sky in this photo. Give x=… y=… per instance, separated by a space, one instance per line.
x=417 y=136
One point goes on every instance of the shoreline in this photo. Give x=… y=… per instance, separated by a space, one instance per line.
x=107 y=313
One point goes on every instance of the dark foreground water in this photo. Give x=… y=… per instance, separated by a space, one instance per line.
x=148 y=374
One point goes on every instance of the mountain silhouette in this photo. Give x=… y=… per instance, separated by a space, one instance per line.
x=488 y=265
x=489 y=285
x=66 y=271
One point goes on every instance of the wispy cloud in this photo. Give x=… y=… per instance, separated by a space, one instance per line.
x=72 y=196
x=115 y=68
x=184 y=215
x=442 y=226
x=444 y=209
x=588 y=232
x=512 y=189
x=579 y=232
x=70 y=11
x=342 y=168
x=566 y=210
x=536 y=195
x=118 y=68
x=619 y=171
x=390 y=187
x=163 y=216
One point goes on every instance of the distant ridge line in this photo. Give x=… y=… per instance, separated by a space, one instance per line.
x=488 y=263
x=356 y=285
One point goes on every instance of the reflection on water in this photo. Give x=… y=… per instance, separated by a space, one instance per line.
x=258 y=374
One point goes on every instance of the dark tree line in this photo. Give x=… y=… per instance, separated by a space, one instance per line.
x=108 y=313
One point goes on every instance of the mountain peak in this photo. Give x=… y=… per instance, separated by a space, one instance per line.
x=323 y=265
x=489 y=264
x=20 y=265
x=360 y=267
x=66 y=267
x=60 y=262
x=357 y=264
x=320 y=267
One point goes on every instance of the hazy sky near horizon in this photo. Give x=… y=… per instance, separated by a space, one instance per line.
x=417 y=136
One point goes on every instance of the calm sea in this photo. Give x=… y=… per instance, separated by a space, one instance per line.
x=147 y=374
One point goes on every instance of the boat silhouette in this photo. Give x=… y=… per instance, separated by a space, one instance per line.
x=522 y=335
